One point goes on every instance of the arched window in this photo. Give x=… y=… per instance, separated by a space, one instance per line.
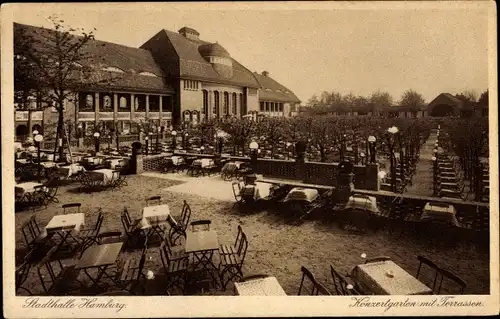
x=187 y=116
x=107 y=103
x=235 y=107
x=216 y=104
x=123 y=102
x=226 y=103
x=243 y=109
x=89 y=102
x=195 y=117
x=205 y=103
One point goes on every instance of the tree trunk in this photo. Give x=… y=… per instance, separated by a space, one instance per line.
x=60 y=134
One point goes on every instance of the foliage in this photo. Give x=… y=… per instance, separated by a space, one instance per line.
x=412 y=100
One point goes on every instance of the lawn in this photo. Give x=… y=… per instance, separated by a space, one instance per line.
x=275 y=247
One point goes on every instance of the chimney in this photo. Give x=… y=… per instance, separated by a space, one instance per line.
x=265 y=73
x=189 y=33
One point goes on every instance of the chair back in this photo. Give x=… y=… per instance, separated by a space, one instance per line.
x=100 y=219
x=242 y=248
x=254 y=277
x=23 y=270
x=307 y=283
x=377 y=259
x=449 y=283
x=34 y=229
x=126 y=215
x=71 y=205
x=238 y=237
x=321 y=290
x=27 y=231
x=165 y=254
x=49 y=270
x=427 y=272
x=237 y=191
x=142 y=261
x=201 y=225
x=339 y=282
x=186 y=216
x=153 y=199
x=126 y=224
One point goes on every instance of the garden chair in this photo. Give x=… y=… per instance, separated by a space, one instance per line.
x=237 y=186
x=449 y=284
x=129 y=272
x=34 y=237
x=153 y=200
x=427 y=272
x=22 y=273
x=119 y=179
x=201 y=225
x=132 y=232
x=175 y=267
x=56 y=278
x=89 y=236
x=232 y=263
x=71 y=206
x=50 y=194
x=228 y=249
x=38 y=196
x=377 y=259
x=309 y=286
x=339 y=282
x=178 y=229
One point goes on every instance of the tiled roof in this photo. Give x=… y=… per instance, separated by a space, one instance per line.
x=273 y=91
x=131 y=61
x=193 y=65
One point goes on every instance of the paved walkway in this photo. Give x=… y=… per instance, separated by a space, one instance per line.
x=423 y=179
x=206 y=186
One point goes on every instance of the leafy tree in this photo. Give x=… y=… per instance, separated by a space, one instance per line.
x=483 y=99
x=412 y=100
x=240 y=131
x=380 y=101
x=57 y=62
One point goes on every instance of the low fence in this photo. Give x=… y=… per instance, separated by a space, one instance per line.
x=365 y=177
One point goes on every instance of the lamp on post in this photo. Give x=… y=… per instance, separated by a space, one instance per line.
x=371 y=141
x=174 y=139
x=202 y=148
x=392 y=130
x=38 y=140
x=96 y=141
x=342 y=147
x=146 y=139
x=186 y=135
x=254 y=151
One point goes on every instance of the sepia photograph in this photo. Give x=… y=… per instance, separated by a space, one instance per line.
x=206 y=159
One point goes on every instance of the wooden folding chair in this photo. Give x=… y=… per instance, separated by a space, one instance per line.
x=22 y=273
x=449 y=283
x=341 y=284
x=427 y=272
x=175 y=267
x=309 y=286
x=130 y=271
x=57 y=279
x=228 y=249
x=89 y=236
x=232 y=263
x=178 y=229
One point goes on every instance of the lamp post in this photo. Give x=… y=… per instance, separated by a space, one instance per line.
x=147 y=144
x=371 y=141
x=80 y=128
x=362 y=155
x=254 y=149
x=202 y=148
x=185 y=140
x=38 y=140
x=96 y=141
x=392 y=130
x=342 y=147
x=174 y=139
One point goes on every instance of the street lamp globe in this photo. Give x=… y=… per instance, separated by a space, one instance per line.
x=202 y=148
x=435 y=151
x=31 y=149
x=372 y=139
x=393 y=129
x=174 y=133
x=38 y=138
x=382 y=174
x=362 y=154
x=35 y=132
x=96 y=134
x=254 y=145
x=433 y=158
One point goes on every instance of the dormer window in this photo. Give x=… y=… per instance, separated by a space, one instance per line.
x=148 y=74
x=113 y=69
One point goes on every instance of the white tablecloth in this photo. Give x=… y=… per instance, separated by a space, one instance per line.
x=300 y=193
x=105 y=174
x=362 y=202
x=67 y=222
x=177 y=160
x=28 y=187
x=70 y=170
x=260 y=287
x=157 y=213
x=113 y=162
x=440 y=212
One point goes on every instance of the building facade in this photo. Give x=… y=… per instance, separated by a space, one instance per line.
x=172 y=79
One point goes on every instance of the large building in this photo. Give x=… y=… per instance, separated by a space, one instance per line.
x=172 y=79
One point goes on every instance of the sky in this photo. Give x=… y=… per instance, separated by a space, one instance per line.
x=348 y=48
